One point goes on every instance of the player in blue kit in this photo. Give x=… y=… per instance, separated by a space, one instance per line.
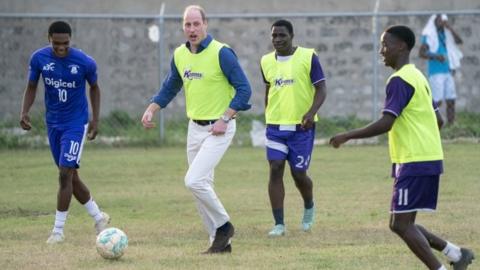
x=64 y=71
x=415 y=148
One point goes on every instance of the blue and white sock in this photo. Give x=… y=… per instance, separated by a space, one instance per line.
x=452 y=252
x=93 y=210
x=60 y=218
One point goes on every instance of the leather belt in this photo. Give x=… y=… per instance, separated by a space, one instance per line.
x=204 y=122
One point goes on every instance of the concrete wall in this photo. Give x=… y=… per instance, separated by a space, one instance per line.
x=229 y=6
x=129 y=62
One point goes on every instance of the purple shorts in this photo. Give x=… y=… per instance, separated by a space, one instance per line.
x=66 y=144
x=415 y=193
x=292 y=143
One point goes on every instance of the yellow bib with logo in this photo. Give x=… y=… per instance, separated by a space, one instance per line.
x=415 y=135
x=291 y=92
x=207 y=91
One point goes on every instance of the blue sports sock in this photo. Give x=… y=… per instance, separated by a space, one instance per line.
x=308 y=205
x=278 y=216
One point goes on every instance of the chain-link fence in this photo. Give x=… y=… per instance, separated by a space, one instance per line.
x=133 y=55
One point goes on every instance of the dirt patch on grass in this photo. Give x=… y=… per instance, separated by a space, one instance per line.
x=20 y=212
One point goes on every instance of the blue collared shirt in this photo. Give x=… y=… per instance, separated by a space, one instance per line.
x=230 y=68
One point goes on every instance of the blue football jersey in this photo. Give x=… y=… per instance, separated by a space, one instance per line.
x=64 y=79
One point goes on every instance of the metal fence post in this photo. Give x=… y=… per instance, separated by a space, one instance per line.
x=161 y=22
x=375 y=60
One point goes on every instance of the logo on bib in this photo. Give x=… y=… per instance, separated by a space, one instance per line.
x=282 y=82
x=188 y=74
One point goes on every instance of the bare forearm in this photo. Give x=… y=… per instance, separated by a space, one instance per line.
x=319 y=98
x=267 y=89
x=439 y=119
x=423 y=53
x=28 y=98
x=458 y=39
x=95 y=102
x=376 y=128
x=230 y=113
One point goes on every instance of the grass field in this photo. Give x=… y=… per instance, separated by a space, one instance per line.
x=142 y=189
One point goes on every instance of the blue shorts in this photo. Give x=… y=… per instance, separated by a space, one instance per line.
x=415 y=193
x=66 y=145
x=290 y=142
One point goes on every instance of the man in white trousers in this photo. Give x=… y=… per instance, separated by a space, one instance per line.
x=215 y=89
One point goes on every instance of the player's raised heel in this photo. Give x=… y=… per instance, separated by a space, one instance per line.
x=277 y=231
x=55 y=238
x=102 y=223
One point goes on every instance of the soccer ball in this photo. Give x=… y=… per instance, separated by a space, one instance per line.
x=111 y=243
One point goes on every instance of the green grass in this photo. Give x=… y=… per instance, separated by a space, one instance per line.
x=142 y=189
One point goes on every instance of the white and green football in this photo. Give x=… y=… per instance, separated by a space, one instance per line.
x=111 y=243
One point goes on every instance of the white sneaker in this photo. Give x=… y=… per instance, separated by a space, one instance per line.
x=278 y=230
x=55 y=238
x=102 y=223
x=308 y=219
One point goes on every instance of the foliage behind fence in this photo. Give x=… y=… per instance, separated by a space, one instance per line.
x=121 y=129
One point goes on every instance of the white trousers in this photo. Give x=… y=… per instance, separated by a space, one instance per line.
x=204 y=152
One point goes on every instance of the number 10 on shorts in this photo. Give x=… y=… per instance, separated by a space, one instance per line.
x=74 y=146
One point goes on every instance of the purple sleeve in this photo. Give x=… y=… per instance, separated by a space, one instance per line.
x=398 y=96
x=33 y=70
x=91 y=74
x=316 y=72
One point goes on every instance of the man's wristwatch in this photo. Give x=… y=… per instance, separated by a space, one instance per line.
x=225 y=119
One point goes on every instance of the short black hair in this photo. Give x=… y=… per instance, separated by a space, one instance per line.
x=403 y=33
x=285 y=23
x=59 y=27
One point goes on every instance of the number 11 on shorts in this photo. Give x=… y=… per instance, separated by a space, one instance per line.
x=403 y=196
